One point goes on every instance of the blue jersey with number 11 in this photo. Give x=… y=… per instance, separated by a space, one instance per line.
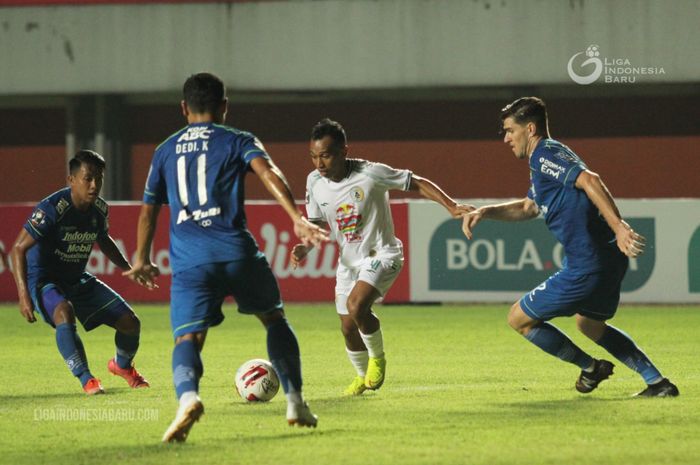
x=199 y=171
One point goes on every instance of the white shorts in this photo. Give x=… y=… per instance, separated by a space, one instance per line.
x=380 y=271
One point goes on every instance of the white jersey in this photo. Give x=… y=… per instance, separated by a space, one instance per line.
x=357 y=208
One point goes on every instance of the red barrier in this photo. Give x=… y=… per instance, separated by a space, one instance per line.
x=314 y=281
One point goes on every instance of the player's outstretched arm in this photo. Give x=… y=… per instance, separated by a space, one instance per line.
x=300 y=251
x=143 y=270
x=628 y=241
x=111 y=251
x=298 y=254
x=276 y=184
x=18 y=255
x=517 y=210
x=432 y=191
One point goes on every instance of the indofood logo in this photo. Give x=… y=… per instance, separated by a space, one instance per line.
x=592 y=65
x=504 y=257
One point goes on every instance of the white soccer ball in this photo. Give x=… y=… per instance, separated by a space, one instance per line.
x=257 y=381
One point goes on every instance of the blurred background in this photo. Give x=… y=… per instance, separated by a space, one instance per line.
x=417 y=84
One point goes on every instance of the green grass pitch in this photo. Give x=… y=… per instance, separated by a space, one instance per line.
x=462 y=388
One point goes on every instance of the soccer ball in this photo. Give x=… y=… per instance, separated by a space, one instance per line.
x=256 y=381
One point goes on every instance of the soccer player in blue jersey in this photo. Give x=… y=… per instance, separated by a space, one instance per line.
x=199 y=171
x=49 y=258
x=579 y=210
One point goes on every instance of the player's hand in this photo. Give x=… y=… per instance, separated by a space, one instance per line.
x=628 y=241
x=470 y=220
x=461 y=209
x=309 y=233
x=144 y=274
x=26 y=308
x=299 y=253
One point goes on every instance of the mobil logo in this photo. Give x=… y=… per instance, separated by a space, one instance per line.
x=513 y=256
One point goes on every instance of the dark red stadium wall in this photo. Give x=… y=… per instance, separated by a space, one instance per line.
x=644 y=146
x=31 y=173
x=456 y=143
x=631 y=167
x=32 y=153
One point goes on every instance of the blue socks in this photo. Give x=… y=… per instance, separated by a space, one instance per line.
x=283 y=349
x=623 y=348
x=550 y=339
x=187 y=367
x=127 y=345
x=73 y=352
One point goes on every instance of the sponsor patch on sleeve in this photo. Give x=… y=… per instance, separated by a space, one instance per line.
x=38 y=218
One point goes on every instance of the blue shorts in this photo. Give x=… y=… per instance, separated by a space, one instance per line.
x=196 y=294
x=94 y=302
x=566 y=293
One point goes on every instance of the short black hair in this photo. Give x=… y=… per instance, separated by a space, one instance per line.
x=528 y=110
x=203 y=92
x=328 y=127
x=86 y=157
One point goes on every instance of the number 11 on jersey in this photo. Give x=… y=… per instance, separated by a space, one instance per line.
x=201 y=180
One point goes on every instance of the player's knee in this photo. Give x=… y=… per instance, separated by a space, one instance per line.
x=355 y=307
x=198 y=338
x=348 y=328
x=517 y=321
x=590 y=328
x=129 y=323
x=268 y=319
x=63 y=313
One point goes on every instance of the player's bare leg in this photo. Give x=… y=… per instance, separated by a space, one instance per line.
x=283 y=349
x=187 y=369
x=359 y=305
x=622 y=347
x=357 y=353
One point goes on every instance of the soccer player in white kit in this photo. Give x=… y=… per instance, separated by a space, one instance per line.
x=351 y=197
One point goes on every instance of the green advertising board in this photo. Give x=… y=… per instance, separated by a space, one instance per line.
x=694 y=262
x=506 y=256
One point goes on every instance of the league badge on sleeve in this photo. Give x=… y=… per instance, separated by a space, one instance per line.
x=38 y=218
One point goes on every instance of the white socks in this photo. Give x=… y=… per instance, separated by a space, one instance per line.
x=188 y=397
x=374 y=343
x=359 y=360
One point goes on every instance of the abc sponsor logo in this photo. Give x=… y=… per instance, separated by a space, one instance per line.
x=506 y=257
